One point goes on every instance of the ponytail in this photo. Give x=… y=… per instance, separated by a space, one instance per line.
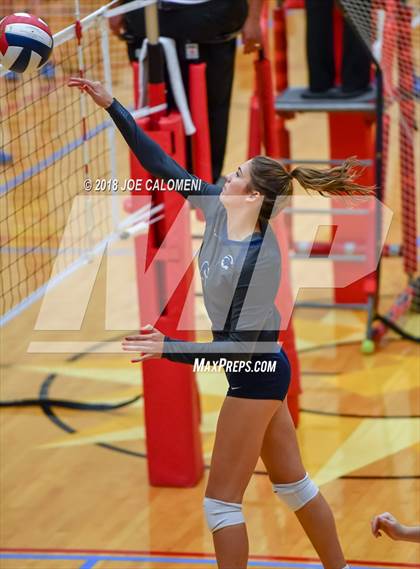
x=274 y=182
x=337 y=181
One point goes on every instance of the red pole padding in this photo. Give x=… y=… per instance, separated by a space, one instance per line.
x=254 y=132
x=266 y=100
x=157 y=96
x=359 y=129
x=294 y=4
x=200 y=141
x=281 y=83
x=284 y=303
x=171 y=402
x=280 y=48
x=135 y=67
x=287 y=337
x=281 y=75
x=284 y=300
x=201 y=149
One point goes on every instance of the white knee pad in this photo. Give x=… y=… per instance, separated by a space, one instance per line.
x=220 y=514
x=297 y=494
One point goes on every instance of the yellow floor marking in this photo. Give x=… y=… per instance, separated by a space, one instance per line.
x=378 y=380
x=320 y=436
x=347 y=319
x=372 y=440
x=122 y=428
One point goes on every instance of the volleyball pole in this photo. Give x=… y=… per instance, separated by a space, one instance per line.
x=171 y=400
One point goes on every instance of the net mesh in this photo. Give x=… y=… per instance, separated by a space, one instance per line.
x=43 y=168
x=391 y=31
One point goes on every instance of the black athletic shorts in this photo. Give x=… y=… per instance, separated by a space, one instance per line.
x=265 y=376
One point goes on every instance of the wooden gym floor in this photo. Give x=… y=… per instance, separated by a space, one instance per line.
x=74 y=490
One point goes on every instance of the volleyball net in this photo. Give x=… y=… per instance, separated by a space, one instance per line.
x=53 y=138
x=390 y=29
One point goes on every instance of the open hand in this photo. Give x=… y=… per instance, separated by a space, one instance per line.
x=149 y=344
x=93 y=88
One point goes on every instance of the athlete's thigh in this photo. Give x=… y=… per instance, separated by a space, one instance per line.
x=280 y=449
x=239 y=436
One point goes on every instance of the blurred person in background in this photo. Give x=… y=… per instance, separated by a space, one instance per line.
x=356 y=62
x=204 y=31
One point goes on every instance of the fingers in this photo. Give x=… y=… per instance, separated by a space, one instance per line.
x=385 y=520
x=140 y=337
x=77 y=81
x=375 y=526
x=143 y=358
x=139 y=347
x=382 y=522
x=387 y=516
x=147 y=344
x=386 y=524
x=251 y=46
x=153 y=333
x=149 y=327
x=90 y=87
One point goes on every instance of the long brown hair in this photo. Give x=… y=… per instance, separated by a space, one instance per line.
x=273 y=181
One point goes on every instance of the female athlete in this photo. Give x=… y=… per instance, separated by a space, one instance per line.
x=240 y=272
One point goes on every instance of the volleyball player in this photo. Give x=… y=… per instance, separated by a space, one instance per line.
x=240 y=272
x=388 y=524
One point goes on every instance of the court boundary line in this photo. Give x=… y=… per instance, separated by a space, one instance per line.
x=191 y=555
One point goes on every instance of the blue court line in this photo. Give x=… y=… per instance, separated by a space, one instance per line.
x=89 y=564
x=91 y=560
x=147 y=559
x=54 y=157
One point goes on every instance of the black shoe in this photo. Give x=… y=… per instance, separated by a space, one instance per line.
x=342 y=94
x=328 y=94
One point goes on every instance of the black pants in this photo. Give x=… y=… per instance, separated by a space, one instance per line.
x=356 y=62
x=201 y=23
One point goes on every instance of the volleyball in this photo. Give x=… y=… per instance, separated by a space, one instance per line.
x=26 y=42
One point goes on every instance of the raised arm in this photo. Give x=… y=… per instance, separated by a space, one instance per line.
x=147 y=151
x=149 y=154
